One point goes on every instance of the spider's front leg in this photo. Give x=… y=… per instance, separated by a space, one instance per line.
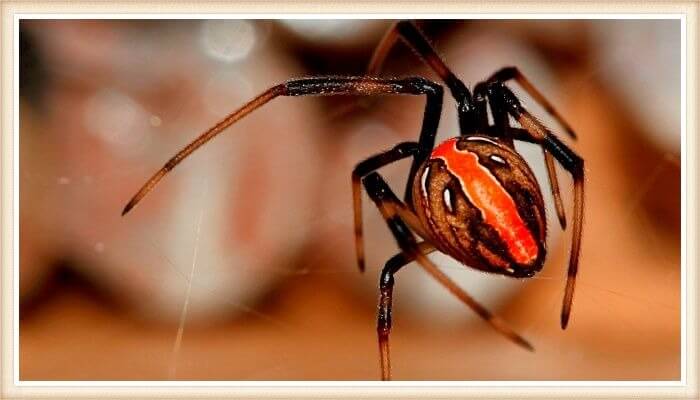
x=419 y=151
x=399 y=218
x=318 y=86
x=417 y=41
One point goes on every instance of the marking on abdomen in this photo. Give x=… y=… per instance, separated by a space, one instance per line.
x=486 y=193
x=424 y=182
x=498 y=159
x=447 y=198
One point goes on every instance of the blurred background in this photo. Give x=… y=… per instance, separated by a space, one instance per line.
x=240 y=265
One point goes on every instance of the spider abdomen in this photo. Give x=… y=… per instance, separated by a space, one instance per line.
x=481 y=204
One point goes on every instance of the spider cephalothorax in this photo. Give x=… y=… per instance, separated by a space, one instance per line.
x=482 y=205
x=472 y=197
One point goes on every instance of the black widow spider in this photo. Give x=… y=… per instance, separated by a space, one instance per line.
x=472 y=197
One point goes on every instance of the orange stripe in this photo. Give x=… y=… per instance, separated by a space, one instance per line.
x=486 y=193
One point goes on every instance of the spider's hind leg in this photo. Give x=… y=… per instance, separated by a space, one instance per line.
x=389 y=205
x=501 y=128
x=513 y=73
x=386 y=290
x=533 y=131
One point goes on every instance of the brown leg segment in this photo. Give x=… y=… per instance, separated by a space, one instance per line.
x=382 y=50
x=554 y=183
x=575 y=249
x=249 y=107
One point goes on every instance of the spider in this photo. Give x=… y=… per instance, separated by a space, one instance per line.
x=472 y=197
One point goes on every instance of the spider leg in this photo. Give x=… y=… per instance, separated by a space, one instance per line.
x=505 y=74
x=554 y=184
x=534 y=131
x=386 y=43
x=480 y=107
x=502 y=124
x=386 y=289
x=317 y=86
x=415 y=39
x=500 y=116
x=426 y=140
x=384 y=198
x=400 y=151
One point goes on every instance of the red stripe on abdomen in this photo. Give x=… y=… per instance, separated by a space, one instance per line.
x=486 y=193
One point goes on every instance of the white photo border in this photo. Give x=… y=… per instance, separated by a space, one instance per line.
x=13 y=12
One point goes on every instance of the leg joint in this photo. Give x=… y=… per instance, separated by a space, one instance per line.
x=376 y=187
x=504 y=74
x=400 y=151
